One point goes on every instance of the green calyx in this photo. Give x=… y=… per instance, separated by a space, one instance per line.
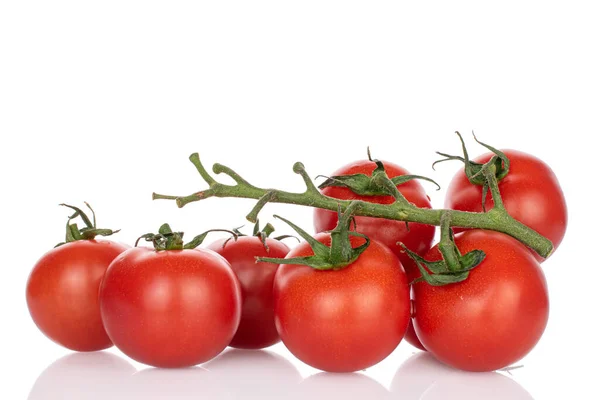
x=454 y=266
x=499 y=164
x=89 y=232
x=263 y=234
x=337 y=256
x=166 y=239
x=366 y=185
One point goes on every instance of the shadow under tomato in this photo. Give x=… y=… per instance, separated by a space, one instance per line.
x=257 y=374
x=422 y=377
x=348 y=386
x=184 y=383
x=234 y=374
x=90 y=376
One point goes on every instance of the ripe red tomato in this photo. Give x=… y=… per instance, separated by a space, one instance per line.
x=342 y=320
x=257 y=326
x=171 y=308
x=62 y=293
x=494 y=317
x=530 y=192
x=388 y=232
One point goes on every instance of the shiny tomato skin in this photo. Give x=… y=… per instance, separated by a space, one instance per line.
x=493 y=318
x=342 y=320
x=62 y=293
x=530 y=192
x=257 y=326
x=388 y=232
x=170 y=309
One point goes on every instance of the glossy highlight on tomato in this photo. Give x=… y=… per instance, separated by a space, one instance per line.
x=494 y=317
x=530 y=193
x=62 y=293
x=347 y=319
x=257 y=326
x=170 y=308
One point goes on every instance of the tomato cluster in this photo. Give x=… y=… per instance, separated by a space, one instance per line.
x=176 y=305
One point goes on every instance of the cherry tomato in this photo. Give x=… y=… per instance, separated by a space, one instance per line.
x=530 y=192
x=389 y=232
x=342 y=320
x=171 y=308
x=257 y=325
x=494 y=317
x=62 y=293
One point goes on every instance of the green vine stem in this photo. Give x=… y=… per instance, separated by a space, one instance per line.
x=496 y=219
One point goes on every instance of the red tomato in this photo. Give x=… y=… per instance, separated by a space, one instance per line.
x=171 y=308
x=530 y=192
x=62 y=293
x=388 y=232
x=493 y=318
x=257 y=326
x=342 y=320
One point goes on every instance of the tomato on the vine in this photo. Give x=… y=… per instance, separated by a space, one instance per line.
x=257 y=325
x=494 y=317
x=172 y=306
x=346 y=319
x=417 y=237
x=530 y=193
x=62 y=289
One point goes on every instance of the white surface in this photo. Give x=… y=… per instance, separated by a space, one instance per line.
x=104 y=102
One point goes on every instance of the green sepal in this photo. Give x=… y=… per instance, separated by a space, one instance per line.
x=437 y=273
x=89 y=232
x=167 y=239
x=262 y=234
x=282 y=237
x=473 y=170
x=337 y=256
x=198 y=240
x=365 y=185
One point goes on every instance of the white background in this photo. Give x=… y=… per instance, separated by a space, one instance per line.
x=104 y=101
